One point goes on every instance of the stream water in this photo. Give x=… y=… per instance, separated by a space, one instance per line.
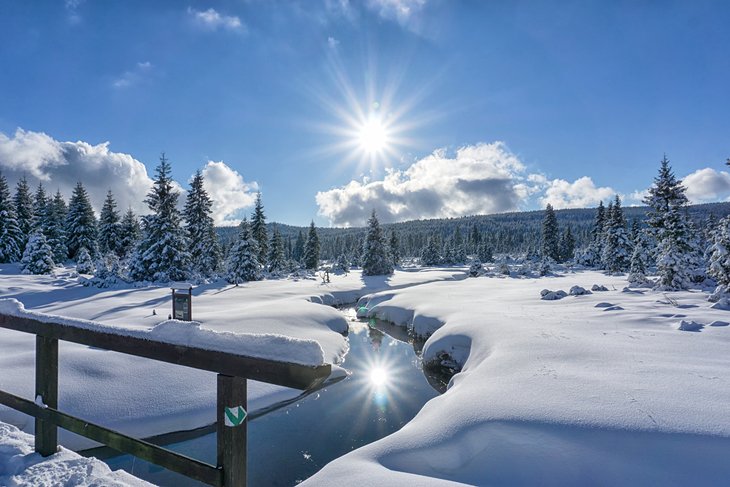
x=386 y=389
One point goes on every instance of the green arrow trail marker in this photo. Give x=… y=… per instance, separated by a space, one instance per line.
x=234 y=416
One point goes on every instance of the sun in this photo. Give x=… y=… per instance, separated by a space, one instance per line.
x=373 y=135
x=378 y=377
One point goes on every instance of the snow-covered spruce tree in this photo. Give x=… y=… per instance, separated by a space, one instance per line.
x=276 y=260
x=84 y=262
x=243 y=264
x=457 y=248
x=258 y=229
x=476 y=269
x=342 y=264
x=40 y=210
x=375 y=259
x=130 y=232
x=669 y=224
x=431 y=254
x=719 y=267
x=23 y=209
x=475 y=239
x=205 y=252
x=484 y=252
x=616 y=256
x=162 y=253
x=298 y=250
x=55 y=229
x=37 y=258
x=311 y=249
x=567 y=245
x=394 y=249
x=639 y=258
x=109 y=227
x=11 y=238
x=591 y=255
x=81 y=229
x=550 y=235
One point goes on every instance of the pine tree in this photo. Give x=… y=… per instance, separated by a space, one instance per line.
x=161 y=255
x=298 y=251
x=311 y=249
x=639 y=259
x=668 y=222
x=110 y=230
x=550 y=235
x=24 y=210
x=616 y=256
x=342 y=264
x=81 y=229
x=720 y=257
x=475 y=239
x=375 y=259
x=458 y=250
x=567 y=245
x=431 y=254
x=592 y=254
x=37 y=258
x=11 y=237
x=130 y=232
x=40 y=210
x=258 y=228
x=55 y=229
x=394 y=248
x=484 y=252
x=84 y=263
x=243 y=264
x=205 y=253
x=275 y=258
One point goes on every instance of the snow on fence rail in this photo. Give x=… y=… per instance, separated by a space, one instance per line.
x=235 y=358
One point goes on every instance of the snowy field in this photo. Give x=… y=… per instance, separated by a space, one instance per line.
x=600 y=389
x=143 y=397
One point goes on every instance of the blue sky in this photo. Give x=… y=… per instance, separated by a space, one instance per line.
x=521 y=100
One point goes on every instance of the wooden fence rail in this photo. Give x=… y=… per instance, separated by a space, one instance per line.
x=233 y=371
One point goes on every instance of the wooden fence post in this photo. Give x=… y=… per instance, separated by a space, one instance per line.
x=232 y=427
x=46 y=386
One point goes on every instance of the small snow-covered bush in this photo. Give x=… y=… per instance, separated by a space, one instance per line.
x=578 y=291
x=690 y=326
x=552 y=295
x=597 y=287
x=84 y=264
x=476 y=269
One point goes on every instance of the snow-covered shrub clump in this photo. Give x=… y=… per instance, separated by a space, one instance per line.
x=548 y=295
x=690 y=325
x=38 y=257
x=578 y=291
x=597 y=287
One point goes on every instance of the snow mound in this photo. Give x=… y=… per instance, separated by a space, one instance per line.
x=19 y=465
x=690 y=326
x=722 y=304
x=597 y=287
x=578 y=291
x=603 y=305
x=628 y=290
x=719 y=323
x=191 y=333
x=613 y=308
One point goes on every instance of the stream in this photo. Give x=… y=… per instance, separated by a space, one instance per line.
x=288 y=444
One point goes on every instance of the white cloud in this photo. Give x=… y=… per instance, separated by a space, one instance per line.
x=212 y=20
x=705 y=185
x=332 y=43
x=478 y=179
x=133 y=76
x=60 y=165
x=402 y=11
x=581 y=193
x=229 y=192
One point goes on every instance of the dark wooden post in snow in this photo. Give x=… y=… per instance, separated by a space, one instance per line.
x=46 y=386
x=232 y=433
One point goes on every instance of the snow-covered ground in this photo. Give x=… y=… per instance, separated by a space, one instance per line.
x=143 y=397
x=600 y=389
x=20 y=466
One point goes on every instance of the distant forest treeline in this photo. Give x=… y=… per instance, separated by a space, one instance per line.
x=514 y=232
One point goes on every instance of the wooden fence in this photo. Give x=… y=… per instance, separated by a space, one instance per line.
x=233 y=371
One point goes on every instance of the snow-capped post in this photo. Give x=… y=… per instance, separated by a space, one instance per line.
x=46 y=389
x=182 y=301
